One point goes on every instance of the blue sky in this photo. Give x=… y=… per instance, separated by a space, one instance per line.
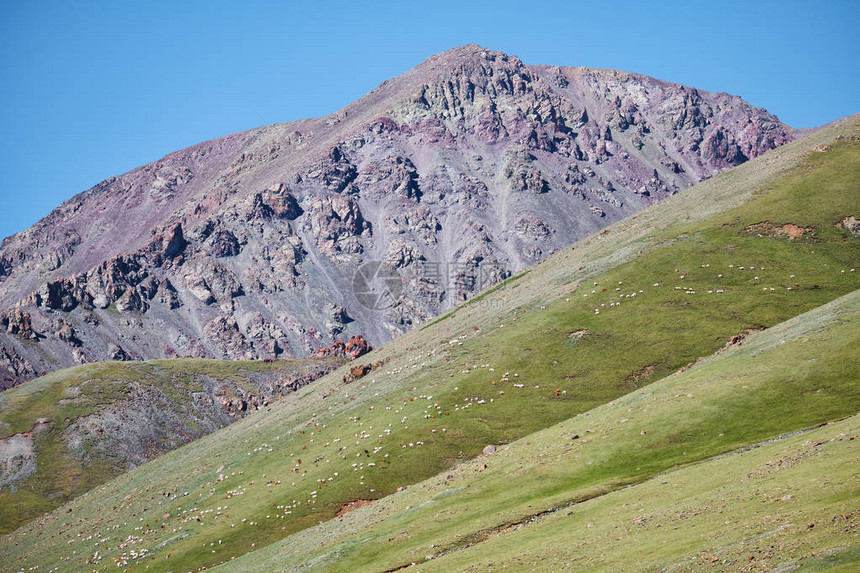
x=91 y=89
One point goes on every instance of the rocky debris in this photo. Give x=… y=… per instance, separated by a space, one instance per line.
x=355 y=347
x=338 y=318
x=654 y=186
x=334 y=172
x=276 y=269
x=400 y=254
x=418 y=220
x=17 y=459
x=393 y=176
x=528 y=179
x=131 y=301
x=269 y=339
x=173 y=243
x=149 y=421
x=338 y=313
x=532 y=228
x=597 y=210
x=65 y=332
x=671 y=164
x=223 y=333
x=523 y=174
x=852 y=224
x=116 y=352
x=356 y=372
x=58 y=294
x=168 y=178
x=489 y=450
x=79 y=356
x=223 y=243
x=14 y=368
x=166 y=295
x=347 y=507
x=735 y=340
x=110 y=280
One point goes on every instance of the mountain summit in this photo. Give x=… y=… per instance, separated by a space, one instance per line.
x=279 y=240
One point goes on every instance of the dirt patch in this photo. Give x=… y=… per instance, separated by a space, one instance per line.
x=640 y=375
x=347 y=507
x=739 y=338
x=575 y=336
x=768 y=229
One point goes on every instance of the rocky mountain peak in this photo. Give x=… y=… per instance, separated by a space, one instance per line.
x=430 y=188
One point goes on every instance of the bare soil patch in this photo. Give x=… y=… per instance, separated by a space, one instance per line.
x=768 y=229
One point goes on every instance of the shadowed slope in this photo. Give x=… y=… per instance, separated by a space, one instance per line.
x=72 y=430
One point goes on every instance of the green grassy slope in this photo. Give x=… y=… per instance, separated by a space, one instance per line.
x=53 y=403
x=551 y=502
x=498 y=369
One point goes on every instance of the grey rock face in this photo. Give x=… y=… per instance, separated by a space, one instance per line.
x=449 y=177
x=17 y=459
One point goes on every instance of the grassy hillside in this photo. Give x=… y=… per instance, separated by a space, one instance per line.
x=79 y=427
x=551 y=501
x=534 y=354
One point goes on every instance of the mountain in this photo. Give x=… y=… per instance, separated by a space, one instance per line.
x=687 y=375
x=71 y=430
x=280 y=240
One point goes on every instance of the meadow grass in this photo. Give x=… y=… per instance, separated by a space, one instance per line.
x=549 y=501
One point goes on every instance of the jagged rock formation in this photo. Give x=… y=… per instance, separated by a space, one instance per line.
x=430 y=188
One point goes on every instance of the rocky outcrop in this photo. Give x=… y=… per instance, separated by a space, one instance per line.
x=355 y=347
x=210 y=281
x=18 y=323
x=116 y=417
x=418 y=220
x=17 y=459
x=337 y=224
x=14 y=368
x=532 y=228
x=851 y=224
x=281 y=202
x=454 y=175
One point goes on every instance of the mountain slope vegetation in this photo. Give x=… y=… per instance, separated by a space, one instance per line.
x=594 y=490
x=67 y=432
x=742 y=252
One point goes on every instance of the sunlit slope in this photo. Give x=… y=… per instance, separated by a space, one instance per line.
x=498 y=369
x=72 y=430
x=558 y=499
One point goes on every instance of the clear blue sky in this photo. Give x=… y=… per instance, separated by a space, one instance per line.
x=91 y=89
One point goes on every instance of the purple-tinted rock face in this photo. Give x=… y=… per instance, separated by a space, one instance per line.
x=280 y=240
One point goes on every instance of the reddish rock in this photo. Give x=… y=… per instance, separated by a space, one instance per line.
x=17 y=322
x=357 y=372
x=357 y=346
x=352 y=349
